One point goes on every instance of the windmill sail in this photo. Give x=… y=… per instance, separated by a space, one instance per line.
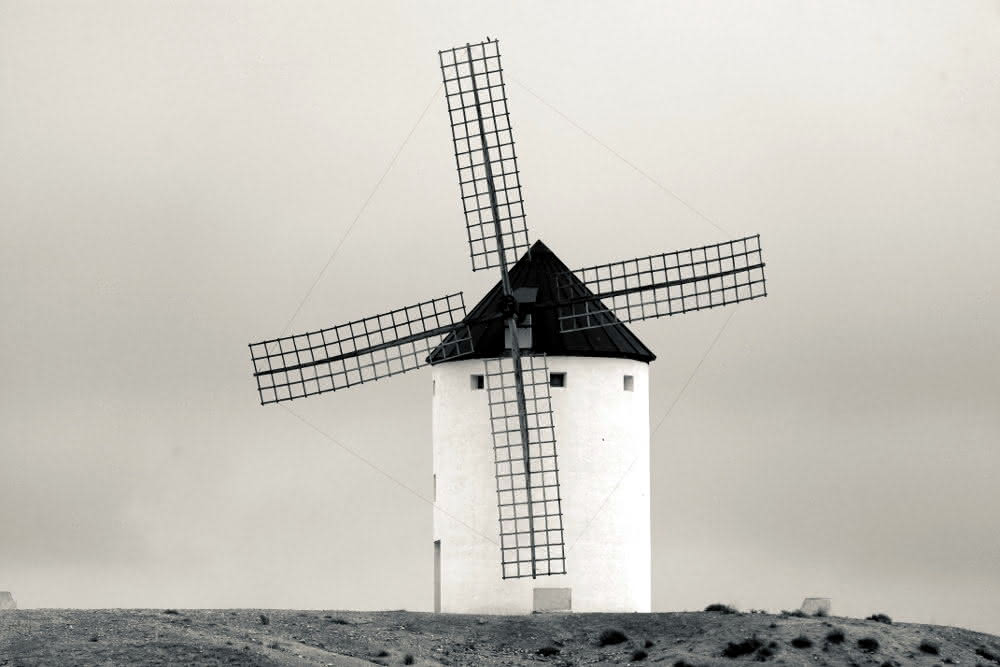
x=661 y=285
x=490 y=186
x=528 y=497
x=360 y=351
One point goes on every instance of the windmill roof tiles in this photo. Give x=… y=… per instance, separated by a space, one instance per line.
x=538 y=269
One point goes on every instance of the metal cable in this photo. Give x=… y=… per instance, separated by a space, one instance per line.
x=382 y=472
x=621 y=157
x=361 y=211
x=655 y=429
x=309 y=292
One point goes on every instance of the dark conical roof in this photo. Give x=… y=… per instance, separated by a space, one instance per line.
x=538 y=269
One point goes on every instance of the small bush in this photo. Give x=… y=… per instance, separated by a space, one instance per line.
x=869 y=644
x=930 y=647
x=547 y=651
x=274 y=645
x=638 y=655
x=720 y=608
x=765 y=652
x=94 y=638
x=382 y=654
x=880 y=618
x=821 y=613
x=984 y=652
x=609 y=637
x=264 y=620
x=798 y=613
x=407 y=659
x=683 y=663
x=745 y=647
x=170 y=611
x=338 y=621
x=835 y=636
x=648 y=643
x=802 y=642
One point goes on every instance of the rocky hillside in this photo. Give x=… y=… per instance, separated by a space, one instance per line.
x=272 y=637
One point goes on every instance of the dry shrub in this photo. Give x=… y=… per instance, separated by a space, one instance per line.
x=984 y=652
x=835 y=636
x=869 y=644
x=611 y=636
x=929 y=647
x=745 y=647
x=720 y=608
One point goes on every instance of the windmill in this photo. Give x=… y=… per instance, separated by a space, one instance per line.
x=539 y=308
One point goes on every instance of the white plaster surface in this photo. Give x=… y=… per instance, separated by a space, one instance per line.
x=602 y=438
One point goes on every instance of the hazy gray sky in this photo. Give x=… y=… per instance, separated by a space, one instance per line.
x=174 y=176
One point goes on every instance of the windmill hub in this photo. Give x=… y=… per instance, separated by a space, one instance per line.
x=508 y=306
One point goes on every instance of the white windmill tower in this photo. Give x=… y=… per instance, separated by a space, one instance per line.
x=545 y=348
x=594 y=384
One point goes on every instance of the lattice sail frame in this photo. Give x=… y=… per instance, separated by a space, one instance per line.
x=661 y=285
x=360 y=351
x=531 y=528
x=477 y=106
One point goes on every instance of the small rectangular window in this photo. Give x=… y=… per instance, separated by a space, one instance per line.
x=523 y=335
x=629 y=383
x=557 y=379
x=476 y=382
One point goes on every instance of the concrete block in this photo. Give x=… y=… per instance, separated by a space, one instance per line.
x=7 y=601
x=816 y=606
x=553 y=599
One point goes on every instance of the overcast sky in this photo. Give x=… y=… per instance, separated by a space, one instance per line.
x=174 y=175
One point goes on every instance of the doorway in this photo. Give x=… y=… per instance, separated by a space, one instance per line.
x=437 y=576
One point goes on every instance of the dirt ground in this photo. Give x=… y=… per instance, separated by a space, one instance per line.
x=240 y=637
